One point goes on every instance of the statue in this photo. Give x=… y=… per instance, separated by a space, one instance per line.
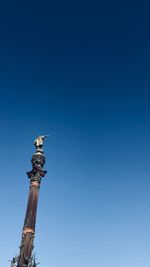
x=32 y=262
x=39 y=141
x=14 y=261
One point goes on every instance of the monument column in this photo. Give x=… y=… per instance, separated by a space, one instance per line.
x=25 y=258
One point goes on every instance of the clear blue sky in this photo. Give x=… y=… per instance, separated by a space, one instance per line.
x=80 y=72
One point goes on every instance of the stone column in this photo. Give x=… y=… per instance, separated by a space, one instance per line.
x=25 y=258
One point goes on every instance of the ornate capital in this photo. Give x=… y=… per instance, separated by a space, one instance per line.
x=38 y=161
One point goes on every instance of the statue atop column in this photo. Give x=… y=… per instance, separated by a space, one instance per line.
x=39 y=141
x=25 y=258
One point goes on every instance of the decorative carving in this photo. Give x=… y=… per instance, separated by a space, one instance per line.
x=38 y=161
x=14 y=261
x=32 y=262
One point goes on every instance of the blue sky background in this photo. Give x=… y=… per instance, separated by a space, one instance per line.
x=80 y=72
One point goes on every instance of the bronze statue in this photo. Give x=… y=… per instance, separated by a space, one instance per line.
x=40 y=140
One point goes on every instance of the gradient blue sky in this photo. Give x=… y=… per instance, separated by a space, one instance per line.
x=80 y=72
